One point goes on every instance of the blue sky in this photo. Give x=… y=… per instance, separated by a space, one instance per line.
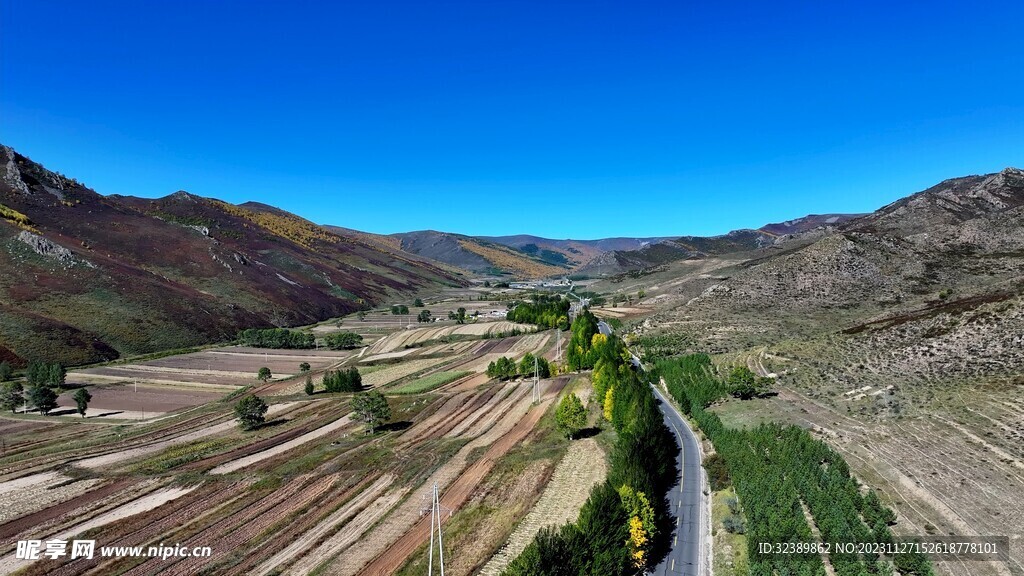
x=562 y=119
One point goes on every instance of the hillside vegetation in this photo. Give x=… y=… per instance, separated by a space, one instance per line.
x=91 y=277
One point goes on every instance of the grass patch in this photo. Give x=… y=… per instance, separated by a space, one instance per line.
x=177 y=455
x=730 y=550
x=428 y=383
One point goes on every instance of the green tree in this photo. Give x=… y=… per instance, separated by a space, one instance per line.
x=349 y=380
x=526 y=365
x=417 y=303
x=11 y=396
x=251 y=412
x=399 y=309
x=43 y=398
x=372 y=408
x=342 y=340
x=718 y=472
x=583 y=330
x=309 y=385
x=543 y=368
x=58 y=375
x=742 y=383
x=570 y=416
x=304 y=367
x=264 y=374
x=6 y=372
x=37 y=373
x=423 y=316
x=604 y=527
x=276 y=338
x=82 y=397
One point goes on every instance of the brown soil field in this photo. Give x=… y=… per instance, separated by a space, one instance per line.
x=243 y=462
x=151 y=399
x=455 y=494
x=311 y=489
x=582 y=467
x=130 y=453
x=365 y=495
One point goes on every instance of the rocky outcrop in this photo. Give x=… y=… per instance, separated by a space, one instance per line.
x=50 y=249
x=12 y=175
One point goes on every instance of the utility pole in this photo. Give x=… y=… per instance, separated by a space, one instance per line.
x=536 y=380
x=435 y=522
x=141 y=405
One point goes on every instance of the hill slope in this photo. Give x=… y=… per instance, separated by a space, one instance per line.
x=928 y=288
x=90 y=277
x=666 y=250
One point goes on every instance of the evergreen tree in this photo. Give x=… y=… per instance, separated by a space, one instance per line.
x=82 y=397
x=309 y=385
x=6 y=372
x=11 y=396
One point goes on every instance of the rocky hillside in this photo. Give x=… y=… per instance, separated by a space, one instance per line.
x=662 y=251
x=90 y=277
x=958 y=237
x=927 y=290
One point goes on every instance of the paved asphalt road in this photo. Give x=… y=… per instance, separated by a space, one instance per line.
x=686 y=500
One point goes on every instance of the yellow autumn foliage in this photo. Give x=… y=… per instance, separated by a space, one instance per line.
x=16 y=217
x=293 y=228
x=509 y=260
x=637 y=539
x=609 y=403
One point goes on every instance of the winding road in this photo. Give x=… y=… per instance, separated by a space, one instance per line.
x=687 y=501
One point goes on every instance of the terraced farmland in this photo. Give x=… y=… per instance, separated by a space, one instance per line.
x=309 y=491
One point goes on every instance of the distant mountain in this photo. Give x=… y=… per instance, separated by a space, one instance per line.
x=661 y=251
x=525 y=255
x=480 y=255
x=90 y=277
x=956 y=238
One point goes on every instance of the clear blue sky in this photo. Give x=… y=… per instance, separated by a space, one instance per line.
x=488 y=117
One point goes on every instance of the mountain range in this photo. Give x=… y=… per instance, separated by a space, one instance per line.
x=89 y=277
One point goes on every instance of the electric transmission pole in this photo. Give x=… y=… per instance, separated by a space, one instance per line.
x=435 y=523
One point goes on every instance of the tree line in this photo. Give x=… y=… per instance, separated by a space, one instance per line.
x=625 y=522
x=44 y=382
x=777 y=470
x=505 y=368
x=276 y=338
x=544 y=311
